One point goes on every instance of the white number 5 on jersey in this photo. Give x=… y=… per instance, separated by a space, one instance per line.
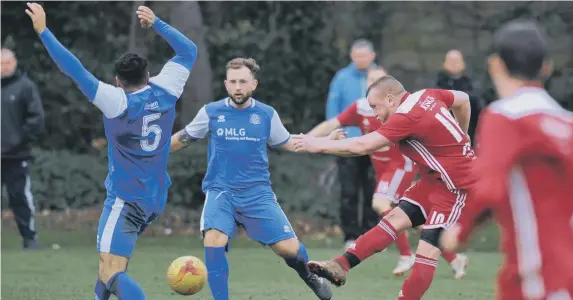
x=147 y=129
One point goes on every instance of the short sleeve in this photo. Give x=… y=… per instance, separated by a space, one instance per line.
x=199 y=127
x=349 y=116
x=397 y=127
x=172 y=78
x=111 y=100
x=445 y=95
x=279 y=134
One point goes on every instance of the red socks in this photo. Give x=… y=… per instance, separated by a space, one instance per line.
x=402 y=242
x=419 y=280
x=449 y=256
x=373 y=241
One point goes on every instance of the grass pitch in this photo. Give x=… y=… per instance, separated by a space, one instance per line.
x=256 y=272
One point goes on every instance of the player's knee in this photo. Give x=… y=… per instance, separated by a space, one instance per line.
x=398 y=219
x=428 y=244
x=286 y=248
x=109 y=265
x=215 y=238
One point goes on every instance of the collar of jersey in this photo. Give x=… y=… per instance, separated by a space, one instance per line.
x=227 y=103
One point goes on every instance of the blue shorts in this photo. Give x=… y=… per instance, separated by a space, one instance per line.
x=120 y=224
x=260 y=215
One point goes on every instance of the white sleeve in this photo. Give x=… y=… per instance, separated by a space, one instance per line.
x=172 y=78
x=199 y=127
x=279 y=135
x=111 y=100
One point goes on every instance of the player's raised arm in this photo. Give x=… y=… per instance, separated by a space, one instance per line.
x=66 y=61
x=196 y=130
x=176 y=71
x=110 y=100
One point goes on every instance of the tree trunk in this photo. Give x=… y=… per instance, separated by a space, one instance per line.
x=137 y=36
x=187 y=18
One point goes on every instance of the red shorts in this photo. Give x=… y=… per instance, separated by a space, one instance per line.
x=440 y=206
x=393 y=182
x=393 y=177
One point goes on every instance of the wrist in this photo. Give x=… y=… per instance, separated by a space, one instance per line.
x=156 y=22
x=41 y=30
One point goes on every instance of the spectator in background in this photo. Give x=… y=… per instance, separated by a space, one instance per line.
x=22 y=123
x=347 y=86
x=452 y=77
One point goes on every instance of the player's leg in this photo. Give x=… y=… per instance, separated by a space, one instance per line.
x=217 y=226
x=265 y=222
x=393 y=183
x=445 y=212
x=404 y=216
x=119 y=226
x=422 y=274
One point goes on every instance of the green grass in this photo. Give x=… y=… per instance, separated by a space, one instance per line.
x=256 y=273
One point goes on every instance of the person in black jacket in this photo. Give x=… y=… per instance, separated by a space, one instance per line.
x=452 y=77
x=22 y=123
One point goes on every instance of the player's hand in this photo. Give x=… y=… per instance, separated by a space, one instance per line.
x=38 y=16
x=146 y=16
x=449 y=239
x=306 y=143
x=337 y=134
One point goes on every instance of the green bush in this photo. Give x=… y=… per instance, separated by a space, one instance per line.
x=303 y=183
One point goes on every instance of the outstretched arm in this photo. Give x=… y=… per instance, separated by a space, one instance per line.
x=358 y=146
x=110 y=100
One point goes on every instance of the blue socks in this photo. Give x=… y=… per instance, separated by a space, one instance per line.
x=124 y=287
x=218 y=272
x=298 y=263
x=101 y=291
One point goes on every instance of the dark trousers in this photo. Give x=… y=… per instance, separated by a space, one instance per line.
x=354 y=174
x=16 y=178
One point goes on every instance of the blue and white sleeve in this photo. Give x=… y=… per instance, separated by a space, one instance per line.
x=176 y=71
x=279 y=134
x=199 y=127
x=110 y=100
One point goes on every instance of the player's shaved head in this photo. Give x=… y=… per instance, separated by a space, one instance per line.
x=384 y=96
x=9 y=62
x=386 y=85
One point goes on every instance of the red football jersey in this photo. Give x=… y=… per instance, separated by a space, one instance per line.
x=525 y=171
x=361 y=114
x=427 y=133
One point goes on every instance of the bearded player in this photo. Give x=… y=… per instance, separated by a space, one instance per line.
x=525 y=171
x=237 y=183
x=394 y=173
x=425 y=131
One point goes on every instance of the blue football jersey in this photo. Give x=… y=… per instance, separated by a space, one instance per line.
x=138 y=127
x=238 y=140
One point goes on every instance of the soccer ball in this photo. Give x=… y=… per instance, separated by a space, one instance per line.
x=187 y=275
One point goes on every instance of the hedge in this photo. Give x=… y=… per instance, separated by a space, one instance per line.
x=65 y=180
